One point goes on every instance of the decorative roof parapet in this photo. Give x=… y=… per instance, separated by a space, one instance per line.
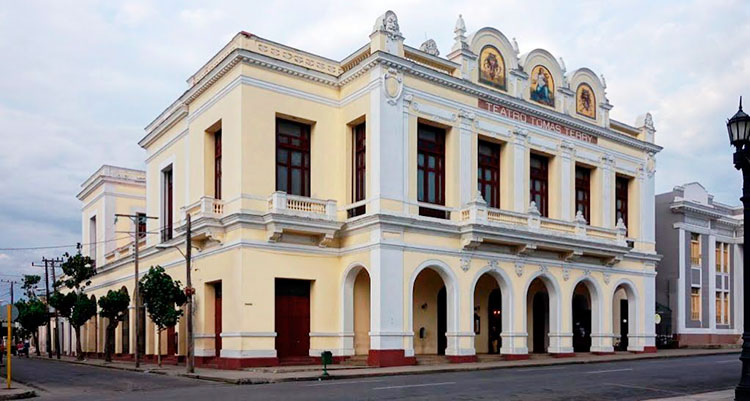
x=386 y=35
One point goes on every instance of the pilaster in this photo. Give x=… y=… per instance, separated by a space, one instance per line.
x=467 y=175
x=520 y=170
x=711 y=296
x=608 y=188
x=567 y=183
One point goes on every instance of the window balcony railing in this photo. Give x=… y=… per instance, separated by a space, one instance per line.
x=283 y=203
x=477 y=211
x=206 y=206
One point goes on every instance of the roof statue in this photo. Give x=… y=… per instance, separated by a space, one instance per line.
x=430 y=47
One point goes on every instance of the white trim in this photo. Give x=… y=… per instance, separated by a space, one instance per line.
x=245 y=334
x=248 y=353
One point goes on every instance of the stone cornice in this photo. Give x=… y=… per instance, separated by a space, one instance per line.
x=179 y=108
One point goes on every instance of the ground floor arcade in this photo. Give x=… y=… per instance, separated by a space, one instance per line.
x=255 y=308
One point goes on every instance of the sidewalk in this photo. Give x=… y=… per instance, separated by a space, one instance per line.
x=16 y=391
x=726 y=395
x=312 y=372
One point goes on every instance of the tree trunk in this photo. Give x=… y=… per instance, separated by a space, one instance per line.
x=109 y=343
x=79 y=351
x=158 y=347
x=35 y=335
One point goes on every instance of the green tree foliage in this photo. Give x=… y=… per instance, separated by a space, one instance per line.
x=32 y=314
x=29 y=285
x=163 y=298
x=113 y=307
x=74 y=304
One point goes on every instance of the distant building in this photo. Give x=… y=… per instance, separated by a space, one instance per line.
x=700 y=276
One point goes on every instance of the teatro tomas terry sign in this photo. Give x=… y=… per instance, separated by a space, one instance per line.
x=536 y=121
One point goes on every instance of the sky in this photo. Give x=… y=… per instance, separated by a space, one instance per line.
x=79 y=81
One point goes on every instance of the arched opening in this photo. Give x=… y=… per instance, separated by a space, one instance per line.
x=538 y=316
x=361 y=312
x=623 y=316
x=125 y=328
x=488 y=315
x=429 y=313
x=581 y=318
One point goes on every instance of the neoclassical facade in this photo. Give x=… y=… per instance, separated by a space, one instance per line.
x=700 y=275
x=393 y=204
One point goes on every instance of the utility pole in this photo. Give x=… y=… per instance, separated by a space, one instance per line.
x=190 y=363
x=12 y=299
x=137 y=220
x=57 y=321
x=47 y=263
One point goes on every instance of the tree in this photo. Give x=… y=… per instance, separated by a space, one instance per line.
x=74 y=304
x=29 y=285
x=162 y=296
x=32 y=314
x=114 y=307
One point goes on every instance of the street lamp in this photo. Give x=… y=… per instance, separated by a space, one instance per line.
x=738 y=128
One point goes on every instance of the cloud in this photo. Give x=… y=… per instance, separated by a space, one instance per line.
x=84 y=77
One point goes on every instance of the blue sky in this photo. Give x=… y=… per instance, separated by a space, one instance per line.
x=79 y=80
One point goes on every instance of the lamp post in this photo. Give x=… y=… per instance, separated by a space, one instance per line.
x=738 y=128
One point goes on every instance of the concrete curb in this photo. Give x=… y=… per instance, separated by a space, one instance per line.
x=441 y=369
x=18 y=396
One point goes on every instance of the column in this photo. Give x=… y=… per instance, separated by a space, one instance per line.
x=520 y=172
x=390 y=341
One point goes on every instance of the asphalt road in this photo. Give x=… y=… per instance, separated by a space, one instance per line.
x=626 y=380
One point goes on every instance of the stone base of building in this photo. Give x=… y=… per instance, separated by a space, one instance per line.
x=515 y=357
x=649 y=350
x=234 y=363
x=389 y=357
x=702 y=340
x=563 y=354
x=461 y=358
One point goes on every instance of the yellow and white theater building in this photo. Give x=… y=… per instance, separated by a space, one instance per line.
x=393 y=204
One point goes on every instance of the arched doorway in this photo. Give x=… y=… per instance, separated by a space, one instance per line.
x=355 y=296
x=538 y=317
x=361 y=311
x=581 y=318
x=488 y=318
x=430 y=313
x=624 y=316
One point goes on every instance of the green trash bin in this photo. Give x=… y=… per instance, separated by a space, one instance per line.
x=327 y=358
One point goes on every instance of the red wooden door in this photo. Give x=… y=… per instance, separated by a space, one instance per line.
x=292 y=318
x=171 y=341
x=217 y=318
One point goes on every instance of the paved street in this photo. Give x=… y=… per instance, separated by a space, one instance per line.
x=627 y=380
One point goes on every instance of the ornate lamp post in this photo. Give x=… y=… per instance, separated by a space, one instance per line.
x=739 y=136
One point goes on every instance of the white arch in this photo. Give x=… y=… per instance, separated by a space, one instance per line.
x=555 y=307
x=597 y=308
x=452 y=300
x=506 y=293
x=347 y=305
x=631 y=292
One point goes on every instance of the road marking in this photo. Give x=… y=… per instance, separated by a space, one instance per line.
x=339 y=383
x=731 y=360
x=540 y=369
x=415 y=385
x=645 y=388
x=608 y=371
